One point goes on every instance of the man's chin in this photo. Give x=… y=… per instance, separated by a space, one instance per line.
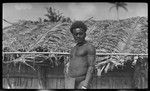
x=78 y=41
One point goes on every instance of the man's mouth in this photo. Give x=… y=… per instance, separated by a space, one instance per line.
x=78 y=40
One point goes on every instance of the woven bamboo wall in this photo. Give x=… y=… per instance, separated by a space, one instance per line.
x=48 y=78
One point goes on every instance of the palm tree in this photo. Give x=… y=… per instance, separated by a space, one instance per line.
x=118 y=5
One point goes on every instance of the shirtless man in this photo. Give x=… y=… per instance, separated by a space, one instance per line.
x=82 y=57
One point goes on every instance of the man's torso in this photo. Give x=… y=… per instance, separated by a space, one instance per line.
x=78 y=63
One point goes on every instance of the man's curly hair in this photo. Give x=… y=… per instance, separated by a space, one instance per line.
x=78 y=24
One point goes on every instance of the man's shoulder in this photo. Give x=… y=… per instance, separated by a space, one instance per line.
x=90 y=47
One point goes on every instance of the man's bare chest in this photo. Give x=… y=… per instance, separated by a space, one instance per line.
x=79 y=51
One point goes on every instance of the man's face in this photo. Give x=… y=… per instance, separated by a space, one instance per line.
x=79 y=35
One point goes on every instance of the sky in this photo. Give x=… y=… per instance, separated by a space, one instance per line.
x=13 y=12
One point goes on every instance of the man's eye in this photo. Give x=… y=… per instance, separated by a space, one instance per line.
x=80 y=33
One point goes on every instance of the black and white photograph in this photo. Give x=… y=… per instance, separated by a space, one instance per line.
x=75 y=45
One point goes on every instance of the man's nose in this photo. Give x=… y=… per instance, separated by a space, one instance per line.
x=78 y=35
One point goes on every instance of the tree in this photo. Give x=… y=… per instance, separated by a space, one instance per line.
x=56 y=16
x=52 y=15
x=118 y=5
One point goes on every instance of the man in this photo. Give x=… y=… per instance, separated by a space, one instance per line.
x=82 y=57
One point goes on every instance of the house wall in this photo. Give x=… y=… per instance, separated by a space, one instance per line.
x=26 y=77
x=48 y=78
x=116 y=79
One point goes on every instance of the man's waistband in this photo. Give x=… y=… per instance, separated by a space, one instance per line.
x=78 y=78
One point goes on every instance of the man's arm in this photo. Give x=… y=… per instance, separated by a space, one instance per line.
x=91 y=61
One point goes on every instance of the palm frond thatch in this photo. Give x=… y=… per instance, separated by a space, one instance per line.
x=128 y=36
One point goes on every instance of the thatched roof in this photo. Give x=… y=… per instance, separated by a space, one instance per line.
x=108 y=36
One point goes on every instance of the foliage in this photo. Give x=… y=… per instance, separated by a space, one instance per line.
x=55 y=16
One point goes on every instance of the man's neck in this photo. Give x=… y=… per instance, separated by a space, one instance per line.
x=81 y=43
